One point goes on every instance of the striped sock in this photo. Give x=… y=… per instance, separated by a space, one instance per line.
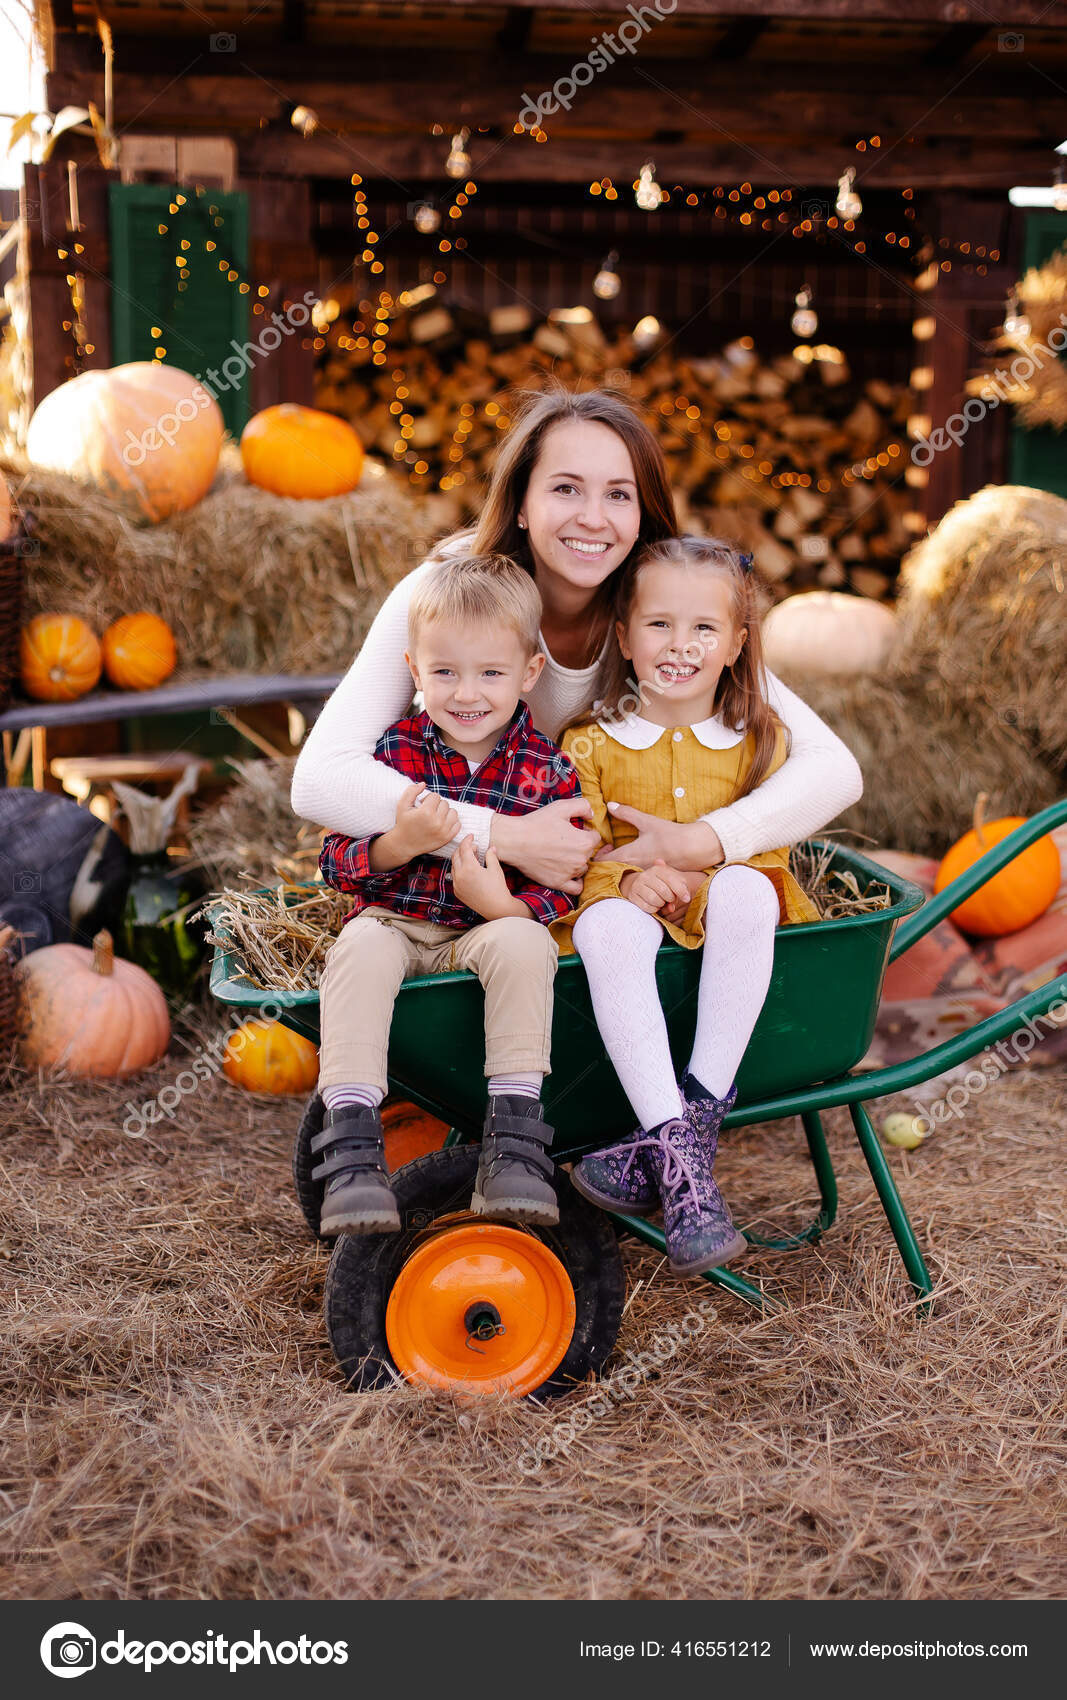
x=335 y=1096
x=515 y=1085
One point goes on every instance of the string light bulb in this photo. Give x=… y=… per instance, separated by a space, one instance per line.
x=305 y=119
x=458 y=163
x=1059 y=188
x=1016 y=324
x=607 y=283
x=648 y=193
x=805 y=321
x=848 y=203
x=427 y=218
x=646 y=331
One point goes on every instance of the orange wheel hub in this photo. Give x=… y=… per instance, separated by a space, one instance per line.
x=481 y=1307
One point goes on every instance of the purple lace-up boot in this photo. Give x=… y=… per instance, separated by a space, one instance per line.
x=698 y=1227
x=621 y=1176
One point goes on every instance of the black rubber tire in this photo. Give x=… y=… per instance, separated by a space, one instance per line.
x=309 y=1192
x=364 y=1267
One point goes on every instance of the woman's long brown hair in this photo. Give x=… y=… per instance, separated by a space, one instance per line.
x=498 y=531
x=741 y=694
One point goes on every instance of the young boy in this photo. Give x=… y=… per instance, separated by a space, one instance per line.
x=473 y=651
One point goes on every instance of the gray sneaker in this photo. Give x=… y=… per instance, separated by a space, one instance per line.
x=516 y=1175
x=359 y=1198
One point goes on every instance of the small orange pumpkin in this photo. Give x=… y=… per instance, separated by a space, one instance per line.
x=410 y=1133
x=89 y=1012
x=139 y=651
x=60 y=657
x=298 y=451
x=267 y=1056
x=1018 y=894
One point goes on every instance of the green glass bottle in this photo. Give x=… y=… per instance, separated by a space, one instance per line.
x=156 y=933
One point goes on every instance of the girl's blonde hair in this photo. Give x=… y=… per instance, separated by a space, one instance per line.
x=474 y=589
x=741 y=694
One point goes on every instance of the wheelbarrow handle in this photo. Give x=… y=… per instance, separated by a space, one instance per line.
x=899 y=1077
x=918 y=925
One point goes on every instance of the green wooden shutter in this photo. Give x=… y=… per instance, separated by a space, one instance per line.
x=206 y=323
x=1039 y=458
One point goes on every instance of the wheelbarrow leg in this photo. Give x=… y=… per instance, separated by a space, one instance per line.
x=736 y=1284
x=824 y=1171
x=893 y=1206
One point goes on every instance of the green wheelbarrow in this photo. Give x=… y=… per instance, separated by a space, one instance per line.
x=455 y=1302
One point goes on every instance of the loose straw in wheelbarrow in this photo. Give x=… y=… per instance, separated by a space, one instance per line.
x=282 y=935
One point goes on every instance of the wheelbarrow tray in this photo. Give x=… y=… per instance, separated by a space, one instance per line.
x=816 y=1024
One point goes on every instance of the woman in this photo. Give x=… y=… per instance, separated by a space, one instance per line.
x=579 y=487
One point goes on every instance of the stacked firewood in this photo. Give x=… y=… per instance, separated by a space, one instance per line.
x=791 y=456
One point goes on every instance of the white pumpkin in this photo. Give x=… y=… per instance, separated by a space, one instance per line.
x=824 y=631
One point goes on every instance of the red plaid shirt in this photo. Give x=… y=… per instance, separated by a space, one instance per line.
x=522 y=772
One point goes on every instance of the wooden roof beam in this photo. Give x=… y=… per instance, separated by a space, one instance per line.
x=514 y=32
x=697 y=96
x=955 y=44
x=738 y=38
x=410 y=163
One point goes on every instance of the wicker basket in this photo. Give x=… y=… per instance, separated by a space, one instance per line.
x=11 y=558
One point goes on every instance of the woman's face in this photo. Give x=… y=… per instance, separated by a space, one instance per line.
x=581 y=508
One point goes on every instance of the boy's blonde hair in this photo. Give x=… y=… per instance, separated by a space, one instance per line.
x=469 y=590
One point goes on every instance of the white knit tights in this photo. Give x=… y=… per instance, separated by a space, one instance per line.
x=618 y=942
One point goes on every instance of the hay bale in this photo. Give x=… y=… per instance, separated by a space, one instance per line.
x=984 y=608
x=251 y=837
x=248 y=581
x=924 y=760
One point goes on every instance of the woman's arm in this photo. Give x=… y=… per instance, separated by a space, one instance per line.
x=337 y=782
x=818 y=779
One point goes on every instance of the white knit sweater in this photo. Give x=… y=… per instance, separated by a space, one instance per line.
x=338 y=783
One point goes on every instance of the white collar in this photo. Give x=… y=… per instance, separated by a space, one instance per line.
x=636 y=733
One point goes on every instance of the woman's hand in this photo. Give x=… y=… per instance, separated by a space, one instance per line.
x=694 y=847
x=659 y=890
x=545 y=845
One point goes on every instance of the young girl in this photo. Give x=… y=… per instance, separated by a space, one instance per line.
x=696 y=734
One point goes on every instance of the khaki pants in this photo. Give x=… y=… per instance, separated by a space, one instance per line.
x=367 y=963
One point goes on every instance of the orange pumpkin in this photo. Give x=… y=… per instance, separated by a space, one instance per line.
x=60 y=657
x=297 y=451
x=1018 y=894
x=139 y=652
x=7 y=516
x=267 y=1056
x=145 y=431
x=89 y=1012
x=410 y=1133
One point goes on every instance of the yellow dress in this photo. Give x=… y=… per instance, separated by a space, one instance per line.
x=677 y=773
